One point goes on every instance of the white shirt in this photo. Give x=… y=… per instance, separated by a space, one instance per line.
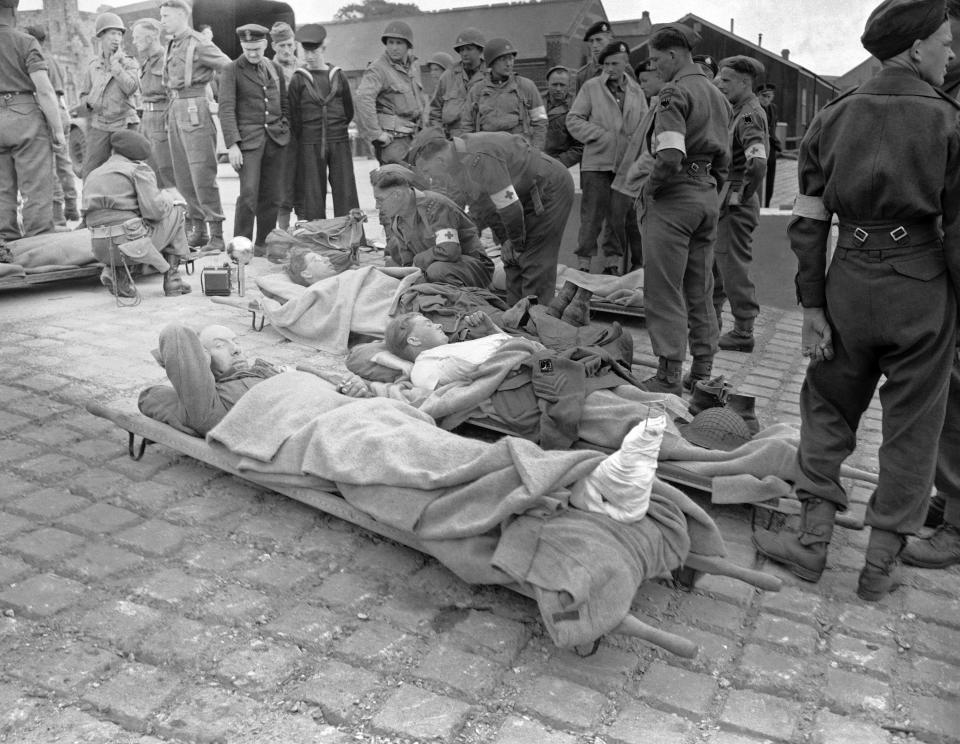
x=440 y=365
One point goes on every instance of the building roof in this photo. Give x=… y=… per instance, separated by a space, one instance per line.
x=859 y=74
x=352 y=44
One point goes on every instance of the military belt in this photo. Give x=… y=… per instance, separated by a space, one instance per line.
x=886 y=236
x=198 y=91
x=107 y=231
x=696 y=167
x=11 y=96
x=396 y=124
x=155 y=105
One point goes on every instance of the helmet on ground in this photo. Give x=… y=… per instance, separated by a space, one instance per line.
x=397 y=30
x=106 y=21
x=497 y=48
x=469 y=36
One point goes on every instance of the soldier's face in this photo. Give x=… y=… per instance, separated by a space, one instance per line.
x=597 y=42
x=470 y=55
x=313 y=56
x=391 y=201
x=435 y=169
x=667 y=62
x=396 y=49
x=734 y=86
x=614 y=66
x=143 y=38
x=224 y=350
x=110 y=40
x=502 y=66
x=650 y=82
x=286 y=50
x=933 y=54
x=766 y=97
x=558 y=84
x=254 y=50
x=173 y=20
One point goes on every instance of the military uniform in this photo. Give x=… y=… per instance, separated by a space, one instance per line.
x=254 y=116
x=531 y=195
x=512 y=105
x=108 y=94
x=679 y=222
x=153 y=123
x=885 y=159
x=450 y=98
x=770 y=181
x=592 y=69
x=560 y=144
x=733 y=251
x=390 y=99
x=191 y=63
x=65 y=182
x=26 y=164
x=440 y=240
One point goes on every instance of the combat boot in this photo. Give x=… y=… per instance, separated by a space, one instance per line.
x=700 y=369
x=709 y=394
x=70 y=209
x=58 y=219
x=215 y=244
x=940 y=549
x=881 y=573
x=740 y=338
x=577 y=311
x=196 y=235
x=667 y=379
x=804 y=553
x=174 y=284
x=119 y=284
x=745 y=405
x=562 y=299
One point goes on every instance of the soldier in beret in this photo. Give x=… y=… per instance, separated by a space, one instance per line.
x=256 y=129
x=560 y=144
x=153 y=123
x=28 y=123
x=597 y=37
x=885 y=159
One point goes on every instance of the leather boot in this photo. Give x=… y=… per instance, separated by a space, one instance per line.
x=709 y=394
x=740 y=338
x=70 y=209
x=215 y=244
x=174 y=284
x=196 y=235
x=577 y=312
x=881 y=573
x=58 y=219
x=667 y=379
x=283 y=220
x=700 y=369
x=804 y=553
x=940 y=549
x=562 y=299
x=119 y=284
x=745 y=405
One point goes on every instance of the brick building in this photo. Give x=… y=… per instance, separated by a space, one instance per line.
x=70 y=38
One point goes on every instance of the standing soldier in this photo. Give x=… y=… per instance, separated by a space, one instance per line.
x=560 y=144
x=765 y=94
x=505 y=101
x=321 y=108
x=191 y=62
x=606 y=111
x=256 y=130
x=598 y=37
x=438 y=64
x=691 y=148
x=108 y=93
x=153 y=123
x=529 y=192
x=390 y=100
x=29 y=122
x=450 y=97
x=285 y=55
x=740 y=215
x=885 y=158
x=285 y=49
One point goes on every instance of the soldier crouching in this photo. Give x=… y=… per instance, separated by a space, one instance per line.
x=131 y=221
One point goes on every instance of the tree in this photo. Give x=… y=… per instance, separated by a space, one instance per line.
x=375 y=9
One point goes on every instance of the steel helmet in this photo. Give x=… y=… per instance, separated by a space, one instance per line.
x=497 y=48
x=469 y=36
x=397 y=30
x=442 y=59
x=106 y=21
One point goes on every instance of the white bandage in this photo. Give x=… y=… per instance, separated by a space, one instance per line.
x=671 y=141
x=449 y=235
x=503 y=199
x=539 y=113
x=810 y=207
x=756 y=150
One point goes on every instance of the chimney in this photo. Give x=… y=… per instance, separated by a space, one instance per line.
x=785 y=53
x=759 y=40
x=731 y=25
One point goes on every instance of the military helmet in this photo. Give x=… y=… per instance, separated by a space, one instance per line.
x=397 y=30
x=106 y=21
x=442 y=59
x=469 y=36
x=497 y=48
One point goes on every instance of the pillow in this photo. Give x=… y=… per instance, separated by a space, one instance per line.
x=360 y=362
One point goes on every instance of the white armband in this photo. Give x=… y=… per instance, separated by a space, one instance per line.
x=539 y=113
x=503 y=199
x=811 y=207
x=671 y=141
x=756 y=150
x=449 y=235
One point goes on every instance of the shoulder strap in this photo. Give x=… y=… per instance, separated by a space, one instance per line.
x=188 y=61
x=843 y=95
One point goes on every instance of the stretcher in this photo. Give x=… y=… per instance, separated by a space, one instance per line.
x=45 y=277
x=150 y=432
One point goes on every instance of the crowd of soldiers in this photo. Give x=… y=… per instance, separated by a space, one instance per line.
x=672 y=157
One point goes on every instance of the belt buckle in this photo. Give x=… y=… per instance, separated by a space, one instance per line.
x=860 y=235
x=898 y=234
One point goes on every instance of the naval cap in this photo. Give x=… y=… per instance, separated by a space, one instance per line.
x=311 y=34
x=894 y=25
x=250 y=32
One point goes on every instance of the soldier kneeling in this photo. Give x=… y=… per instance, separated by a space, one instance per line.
x=131 y=220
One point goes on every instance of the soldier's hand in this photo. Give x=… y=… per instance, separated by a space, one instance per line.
x=384 y=139
x=816 y=336
x=235 y=156
x=508 y=254
x=58 y=141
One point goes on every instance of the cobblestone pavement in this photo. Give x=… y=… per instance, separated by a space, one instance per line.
x=163 y=600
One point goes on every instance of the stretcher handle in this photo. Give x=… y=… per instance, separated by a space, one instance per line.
x=848 y=471
x=722 y=567
x=678 y=645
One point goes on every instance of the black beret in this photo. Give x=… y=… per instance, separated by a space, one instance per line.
x=311 y=34
x=614 y=47
x=766 y=86
x=131 y=144
x=600 y=27
x=646 y=65
x=894 y=25
x=252 y=32
x=707 y=61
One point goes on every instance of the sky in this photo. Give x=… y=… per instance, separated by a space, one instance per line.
x=822 y=35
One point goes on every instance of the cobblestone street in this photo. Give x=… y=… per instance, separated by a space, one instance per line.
x=163 y=600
